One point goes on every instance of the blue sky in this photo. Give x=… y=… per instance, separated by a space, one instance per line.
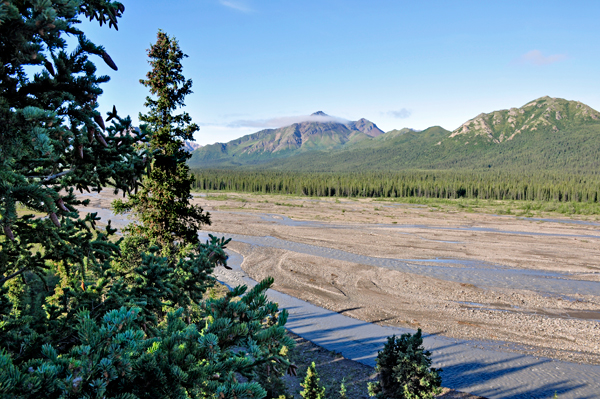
x=415 y=64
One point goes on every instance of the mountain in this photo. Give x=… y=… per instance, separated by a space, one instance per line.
x=545 y=134
x=546 y=113
x=394 y=150
x=320 y=133
x=190 y=146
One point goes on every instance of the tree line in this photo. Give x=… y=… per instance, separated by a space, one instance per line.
x=538 y=186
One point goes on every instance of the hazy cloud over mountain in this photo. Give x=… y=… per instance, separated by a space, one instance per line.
x=535 y=57
x=285 y=121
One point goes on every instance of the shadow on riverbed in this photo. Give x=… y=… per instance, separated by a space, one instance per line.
x=465 y=366
x=481 y=378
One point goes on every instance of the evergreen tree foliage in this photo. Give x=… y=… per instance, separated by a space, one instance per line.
x=343 y=390
x=115 y=358
x=82 y=314
x=52 y=142
x=168 y=223
x=404 y=369
x=311 y=385
x=162 y=206
x=270 y=376
x=444 y=184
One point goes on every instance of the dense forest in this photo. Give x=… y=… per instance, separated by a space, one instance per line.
x=540 y=186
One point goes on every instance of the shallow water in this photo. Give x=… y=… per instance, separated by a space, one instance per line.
x=286 y=221
x=480 y=367
x=106 y=214
x=580 y=222
x=405 y=205
x=481 y=274
x=478 y=273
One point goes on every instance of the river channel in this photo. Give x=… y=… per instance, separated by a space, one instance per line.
x=488 y=368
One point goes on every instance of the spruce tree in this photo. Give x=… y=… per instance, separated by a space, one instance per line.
x=167 y=224
x=54 y=141
x=72 y=324
x=162 y=207
x=404 y=370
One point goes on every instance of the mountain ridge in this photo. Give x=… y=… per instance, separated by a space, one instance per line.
x=267 y=144
x=546 y=133
x=544 y=112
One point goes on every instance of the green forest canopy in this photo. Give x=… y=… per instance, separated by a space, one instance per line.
x=540 y=186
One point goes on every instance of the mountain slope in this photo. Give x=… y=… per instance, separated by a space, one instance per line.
x=546 y=113
x=394 y=150
x=323 y=134
x=191 y=146
x=545 y=134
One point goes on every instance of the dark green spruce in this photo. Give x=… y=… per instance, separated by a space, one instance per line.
x=548 y=186
x=83 y=314
x=162 y=206
x=404 y=370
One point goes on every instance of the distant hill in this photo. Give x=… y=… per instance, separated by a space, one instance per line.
x=190 y=146
x=320 y=133
x=546 y=113
x=544 y=134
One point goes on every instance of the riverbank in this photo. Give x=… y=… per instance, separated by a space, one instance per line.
x=522 y=285
x=365 y=244
x=499 y=300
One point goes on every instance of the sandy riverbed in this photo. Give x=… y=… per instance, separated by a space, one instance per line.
x=528 y=320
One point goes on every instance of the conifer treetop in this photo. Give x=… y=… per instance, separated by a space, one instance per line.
x=166 y=81
x=163 y=208
x=311 y=385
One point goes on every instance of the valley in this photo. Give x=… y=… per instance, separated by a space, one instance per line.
x=462 y=275
x=486 y=238
x=466 y=275
x=512 y=293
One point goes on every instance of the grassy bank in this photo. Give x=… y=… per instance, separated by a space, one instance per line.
x=517 y=208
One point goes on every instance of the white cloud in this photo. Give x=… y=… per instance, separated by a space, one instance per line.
x=212 y=133
x=535 y=57
x=400 y=114
x=285 y=121
x=236 y=5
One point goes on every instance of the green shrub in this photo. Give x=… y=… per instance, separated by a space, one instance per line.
x=404 y=370
x=343 y=391
x=311 y=385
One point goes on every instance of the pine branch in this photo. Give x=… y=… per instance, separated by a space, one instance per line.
x=11 y=276
x=47 y=179
x=52 y=177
